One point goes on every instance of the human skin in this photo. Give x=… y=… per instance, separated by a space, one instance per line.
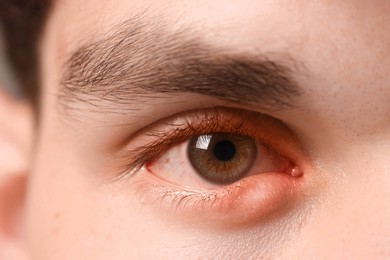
x=76 y=208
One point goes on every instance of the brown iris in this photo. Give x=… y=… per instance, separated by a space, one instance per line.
x=222 y=158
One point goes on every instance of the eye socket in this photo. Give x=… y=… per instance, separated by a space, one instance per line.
x=229 y=166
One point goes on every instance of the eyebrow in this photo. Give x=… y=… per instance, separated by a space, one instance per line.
x=143 y=60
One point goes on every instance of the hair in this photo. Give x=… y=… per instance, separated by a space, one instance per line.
x=23 y=22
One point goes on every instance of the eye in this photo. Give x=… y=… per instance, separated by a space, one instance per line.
x=221 y=158
x=220 y=164
x=216 y=159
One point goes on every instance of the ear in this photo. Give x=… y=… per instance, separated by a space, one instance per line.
x=15 y=140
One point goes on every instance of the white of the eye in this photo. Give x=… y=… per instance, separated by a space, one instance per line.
x=203 y=142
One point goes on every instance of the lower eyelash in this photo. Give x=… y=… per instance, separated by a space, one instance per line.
x=179 y=198
x=250 y=200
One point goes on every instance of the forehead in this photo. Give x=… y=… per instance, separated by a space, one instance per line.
x=339 y=42
x=305 y=29
x=249 y=20
x=301 y=28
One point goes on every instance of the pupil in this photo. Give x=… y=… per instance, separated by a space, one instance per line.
x=224 y=150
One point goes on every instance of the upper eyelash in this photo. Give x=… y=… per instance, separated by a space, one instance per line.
x=178 y=133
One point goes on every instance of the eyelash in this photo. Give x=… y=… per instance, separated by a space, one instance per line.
x=190 y=124
x=209 y=121
x=180 y=198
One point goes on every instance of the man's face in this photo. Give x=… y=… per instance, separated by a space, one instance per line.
x=213 y=130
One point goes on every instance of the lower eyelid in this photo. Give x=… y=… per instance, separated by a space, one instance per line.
x=255 y=198
x=252 y=200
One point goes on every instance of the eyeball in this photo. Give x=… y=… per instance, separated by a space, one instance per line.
x=222 y=158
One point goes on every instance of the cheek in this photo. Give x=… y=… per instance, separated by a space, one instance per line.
x=64 y=208
x=71 y=216
x=354 y=226
x=74 y=216
x=56 y=216
x=351 y=219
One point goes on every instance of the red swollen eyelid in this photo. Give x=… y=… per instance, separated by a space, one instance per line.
x=249 y=200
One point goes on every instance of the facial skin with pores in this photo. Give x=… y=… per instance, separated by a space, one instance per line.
x=128 y=87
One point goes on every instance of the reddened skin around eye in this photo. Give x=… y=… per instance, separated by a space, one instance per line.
x=253 y=200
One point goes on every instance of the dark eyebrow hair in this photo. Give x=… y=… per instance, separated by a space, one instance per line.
x=141 y=60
